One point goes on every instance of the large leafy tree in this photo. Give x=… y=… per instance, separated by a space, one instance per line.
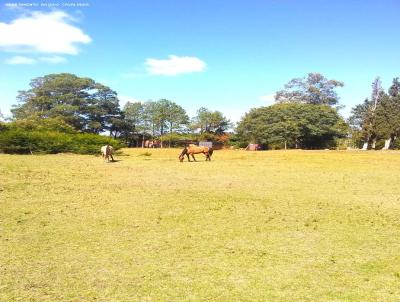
x=81 y=102
x=292 y=125
x=314 y=89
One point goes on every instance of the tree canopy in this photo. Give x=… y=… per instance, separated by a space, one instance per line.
x=211 y=122
x=314 y=89
x=293 y=125
x=81 y=102
x=377 y=118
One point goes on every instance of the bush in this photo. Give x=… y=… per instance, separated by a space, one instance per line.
x=396 y=144
x=20 y=141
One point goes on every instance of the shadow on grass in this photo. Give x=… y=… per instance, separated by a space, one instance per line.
x=114 y=161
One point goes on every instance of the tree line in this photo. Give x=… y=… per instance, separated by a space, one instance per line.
x=81 y=105
x=375 y=123
x=305 y=115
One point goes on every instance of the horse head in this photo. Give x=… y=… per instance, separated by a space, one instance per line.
x=182 y=155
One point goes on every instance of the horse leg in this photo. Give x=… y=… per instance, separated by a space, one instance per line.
x=187 y=154
x=193 y=157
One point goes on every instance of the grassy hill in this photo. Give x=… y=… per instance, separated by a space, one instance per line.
x=247 y=226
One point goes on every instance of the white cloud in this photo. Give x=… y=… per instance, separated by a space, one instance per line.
x=269 y=98
x=53 y=59
x=42 y=32
x=20 y=60
x=174 y=65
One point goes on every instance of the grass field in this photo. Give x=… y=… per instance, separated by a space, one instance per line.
x=247 y=226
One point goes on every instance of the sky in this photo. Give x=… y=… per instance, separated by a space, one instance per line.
x=224 y=55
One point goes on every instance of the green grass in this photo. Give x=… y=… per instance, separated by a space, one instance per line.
x=247 y=226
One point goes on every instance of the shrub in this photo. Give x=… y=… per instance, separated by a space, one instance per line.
x=17 y=140
x=396 y=144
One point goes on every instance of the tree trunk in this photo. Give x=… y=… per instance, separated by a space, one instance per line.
x=387 y=143
x=365 y=146
x=373 y=145
x=285 y=145
x=170 y=135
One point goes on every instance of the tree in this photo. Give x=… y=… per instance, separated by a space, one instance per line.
x=164 y=116
x=394 y=90
x=81 y=102
x=378 y=119
x=313 y=89
x=387 y=119
x=213 y=122
x=292 y=125
x=176 y=117
x=363 y=116
x=134 y=118
x=101 y=110
x=387 y=115
x=360 y=120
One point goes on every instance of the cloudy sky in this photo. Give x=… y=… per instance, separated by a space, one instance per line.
x=225 y=55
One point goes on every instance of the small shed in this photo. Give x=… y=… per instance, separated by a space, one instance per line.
x=205 y=144
x=253 y=147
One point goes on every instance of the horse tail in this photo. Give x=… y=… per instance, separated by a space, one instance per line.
x=210 y=151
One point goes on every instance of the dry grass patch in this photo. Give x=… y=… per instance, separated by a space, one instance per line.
x=247 y=226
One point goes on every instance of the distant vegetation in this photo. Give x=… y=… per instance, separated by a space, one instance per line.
x=377 y=120
x=67 y=113
x=49 y=135
x=292 y=125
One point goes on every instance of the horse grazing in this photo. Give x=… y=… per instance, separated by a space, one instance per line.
x=193 y=149
x=106 y=152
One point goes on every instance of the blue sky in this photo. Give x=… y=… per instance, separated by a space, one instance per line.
x=225 y=55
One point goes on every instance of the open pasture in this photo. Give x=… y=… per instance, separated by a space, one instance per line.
x=247 y=226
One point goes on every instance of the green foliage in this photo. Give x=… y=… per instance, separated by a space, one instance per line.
x=80 y=102
x=396 y=144
x=42 y=124
x=18 y=140
x=388 y=117
x=178 y=139
x=164 y=116
x=292 y=124
x=212 y=122
x=379 y=118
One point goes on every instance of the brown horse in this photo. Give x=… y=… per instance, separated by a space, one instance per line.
x=193 y=149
